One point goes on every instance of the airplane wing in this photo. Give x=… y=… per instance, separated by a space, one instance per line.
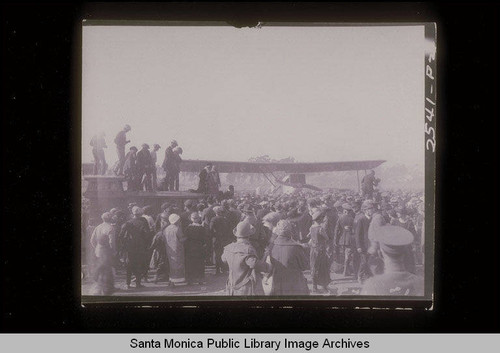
x=191 y=165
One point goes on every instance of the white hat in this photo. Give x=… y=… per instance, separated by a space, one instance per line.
x=173 y=218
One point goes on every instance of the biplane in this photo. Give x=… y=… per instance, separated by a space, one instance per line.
x=294 y=177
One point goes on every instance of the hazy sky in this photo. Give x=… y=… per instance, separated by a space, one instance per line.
x=315 y=93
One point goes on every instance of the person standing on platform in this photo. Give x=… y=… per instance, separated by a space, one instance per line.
x=154 y=160
x=169 y=165
x=204 y=175
x=176 y=169
x=195 y=250
x=396 y=279
x=367 y=185
x=130 y=170
x=174 y=240
x=213 y=181
x=98 y=144
x=144 y=167
x=121 y=141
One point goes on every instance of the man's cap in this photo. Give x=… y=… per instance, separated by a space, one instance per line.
x=188 y=203
x=136 y=211
x=174 y=142
x=132 y=204
x=114 y=211
x=127 y=126
x=337 y=204
x=392 y=239
x=178 y=149
x=244 y=230
x=133 y=148
x=145 y=145
x=174 y=218
x=156 y=145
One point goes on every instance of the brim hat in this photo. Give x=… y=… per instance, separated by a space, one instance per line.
x=244 y=230
x=164 y=215
x=368 y=204
x=173 y=218
x=346 y=206
x=393 y=240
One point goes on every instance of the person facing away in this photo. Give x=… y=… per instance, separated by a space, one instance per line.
x=174 y=240
x=396 y=280
x=145 y=167
x=213 y=181
x=195 y=250
x=168 y=164
x=320 y=271
x=241 y=258
x=98 y=144
x=288 y=260
x=154 y=160
x=101 y=241
x=121 y=141
x=130 y=170
x=134 y=236
x=368 y=183
x=176 y=169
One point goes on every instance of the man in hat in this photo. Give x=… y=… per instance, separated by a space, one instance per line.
x=368 y=183
x=98 y=144
x=129 y=169
x=221 y=236
x=403 y=220
x=396 y=279
x=361 y=226
x=154 y=159
x=176 y=169
x=320 y=269
x=344 y=238
x=169 y=164
x=241 y=258
x=206 y=218
x=189 y=208
x=134 y=236
x=145 y=167
x=121 y=141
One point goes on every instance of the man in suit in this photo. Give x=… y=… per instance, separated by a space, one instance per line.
x=144 y=167
x=121 y=141
x=396 y=280
x=169 y=164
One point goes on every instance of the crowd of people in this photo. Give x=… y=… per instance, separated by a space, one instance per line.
x=265 y=244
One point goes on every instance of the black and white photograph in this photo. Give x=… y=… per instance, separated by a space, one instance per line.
x=284 y=161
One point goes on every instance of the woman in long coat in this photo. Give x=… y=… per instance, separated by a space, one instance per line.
x=195 y=250
x=174 y=244
x=159 y=260
x=288 y=260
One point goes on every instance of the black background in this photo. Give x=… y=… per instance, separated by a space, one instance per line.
x=40 y=194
